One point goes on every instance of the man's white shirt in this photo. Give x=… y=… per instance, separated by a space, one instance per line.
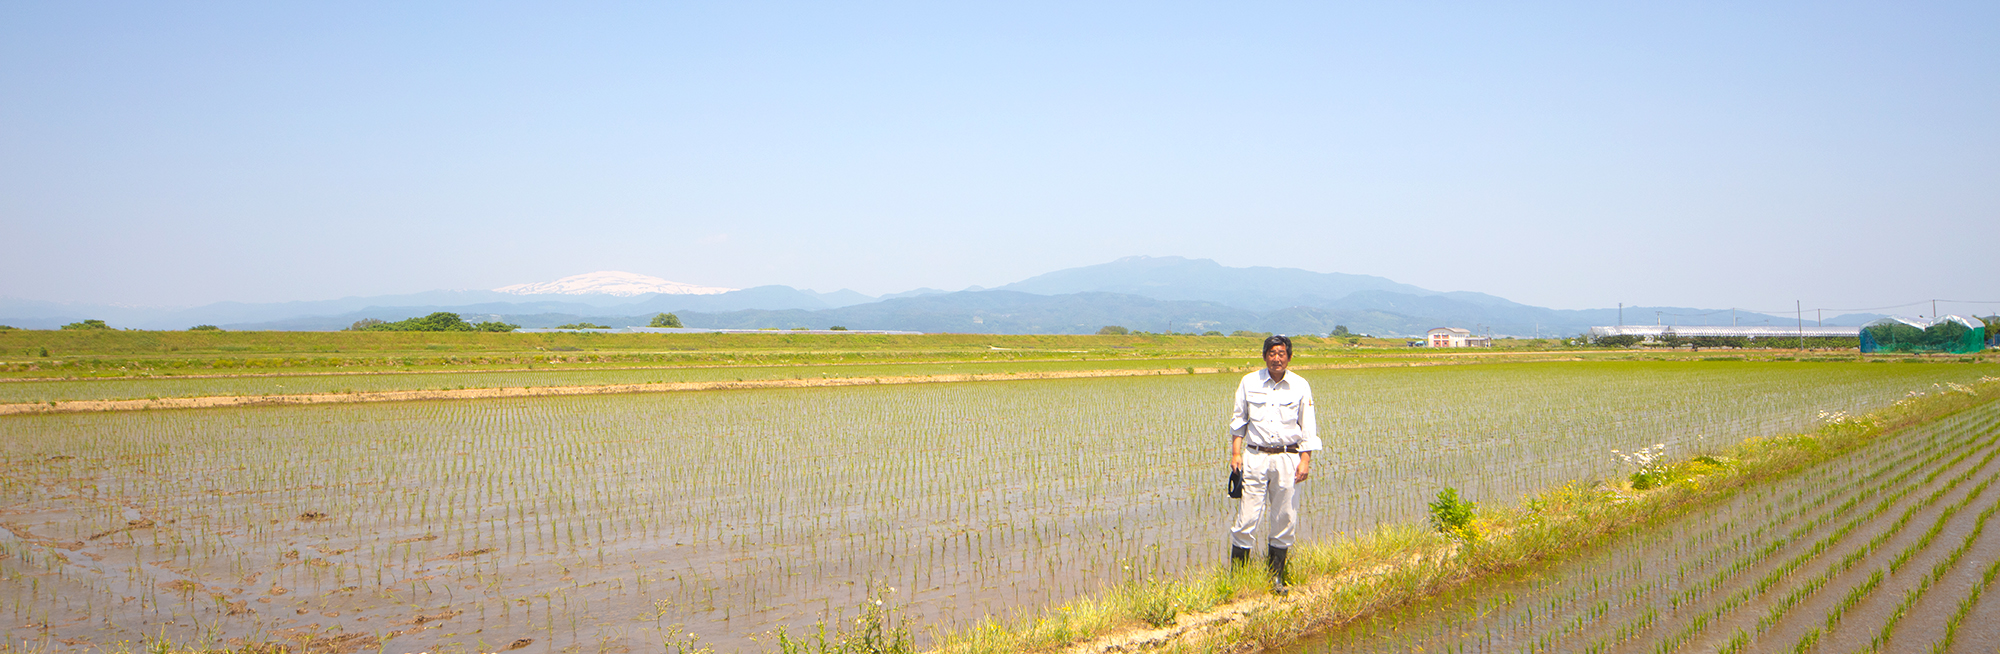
x=1275 y=414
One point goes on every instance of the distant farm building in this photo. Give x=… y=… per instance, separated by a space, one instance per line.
x=1455 y=337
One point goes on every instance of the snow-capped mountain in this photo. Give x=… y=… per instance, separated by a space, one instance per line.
x=611 y=282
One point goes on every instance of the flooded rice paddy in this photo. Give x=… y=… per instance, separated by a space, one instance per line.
x=1887 y=549
x=618 y=523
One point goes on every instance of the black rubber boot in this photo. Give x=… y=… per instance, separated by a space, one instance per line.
x=1277 y=563
x=1239 y=556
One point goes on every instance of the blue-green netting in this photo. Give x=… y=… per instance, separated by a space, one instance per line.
x=1952 y=334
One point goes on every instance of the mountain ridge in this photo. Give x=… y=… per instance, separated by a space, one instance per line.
x=1142 y=293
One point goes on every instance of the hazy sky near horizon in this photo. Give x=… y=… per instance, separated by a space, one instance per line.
x=1573 y=155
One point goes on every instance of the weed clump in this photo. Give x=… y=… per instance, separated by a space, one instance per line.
x=1452 y=516
x=877 y=630
x=1649 y=465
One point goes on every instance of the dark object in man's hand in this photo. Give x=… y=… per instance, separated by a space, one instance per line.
x=1236 y=483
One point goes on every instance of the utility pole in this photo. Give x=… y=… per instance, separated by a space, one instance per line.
x=1657 y=321
x=1621 y=314
x=1800 y=307
x=1819 y=317
x=1732 y=317
x=1934 y=313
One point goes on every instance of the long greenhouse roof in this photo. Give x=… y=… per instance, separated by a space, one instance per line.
x=1754 y=331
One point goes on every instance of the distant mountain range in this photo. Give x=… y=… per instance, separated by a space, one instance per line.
x=611 y=282
x=1153 y=294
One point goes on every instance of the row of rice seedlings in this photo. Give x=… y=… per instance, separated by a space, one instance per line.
x=1678 y=594
x=1965 y=606
x=1813 y=585
x=1567 y=607
x=1649 y=607
x=1779 y=609
x=1936 y=573
x=1745 y=635
x=1743 y=595
x=1867 y=487
x=1857 y=488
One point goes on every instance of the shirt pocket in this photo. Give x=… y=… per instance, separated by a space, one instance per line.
x=1273 y=407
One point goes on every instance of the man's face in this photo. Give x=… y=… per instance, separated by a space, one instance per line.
x=1277 y=358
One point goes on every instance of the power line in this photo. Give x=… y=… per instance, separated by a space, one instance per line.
x=1898 y=306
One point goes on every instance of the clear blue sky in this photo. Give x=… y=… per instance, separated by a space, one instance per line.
x=1565 y=155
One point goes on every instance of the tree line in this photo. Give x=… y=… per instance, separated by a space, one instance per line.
x=442 y=321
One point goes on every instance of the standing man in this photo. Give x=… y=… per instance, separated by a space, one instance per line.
x=1272 y=436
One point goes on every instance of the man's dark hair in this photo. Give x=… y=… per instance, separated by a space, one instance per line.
x=1277 y=340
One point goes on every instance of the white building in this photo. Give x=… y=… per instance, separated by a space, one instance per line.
x=1455 y=337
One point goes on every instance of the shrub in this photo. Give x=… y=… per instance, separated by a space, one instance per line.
x=837 y=328
x=204 y=328
x=1245 y=333
x=1211 y=333
x=363 y=324
x=666 y=320
x=582 y=325
x=6 y=328
x=87 y=324
x=1621 y=340
x=1113 y=330
x=496 y=326
x=1452 y=515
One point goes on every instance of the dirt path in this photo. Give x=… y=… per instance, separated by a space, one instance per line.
x=90 y=406
x=1196 y=627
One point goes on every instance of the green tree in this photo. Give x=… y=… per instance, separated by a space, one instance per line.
x=496 y=326
x=666 y=320
x=1245 y=333
x=204 y=328
x=837 y=328
x=1211 y=333
x=1113 y=330
x=583 y=325
x=442 y=321
x=87 y=324
x=363 y=324
x=1339 y=331
x=7 y=328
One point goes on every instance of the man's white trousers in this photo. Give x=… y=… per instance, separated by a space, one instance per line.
x=1267 y=479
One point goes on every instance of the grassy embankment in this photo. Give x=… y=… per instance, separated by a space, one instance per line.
x=1231 y=611
x=62 y=366
x=96 y=353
